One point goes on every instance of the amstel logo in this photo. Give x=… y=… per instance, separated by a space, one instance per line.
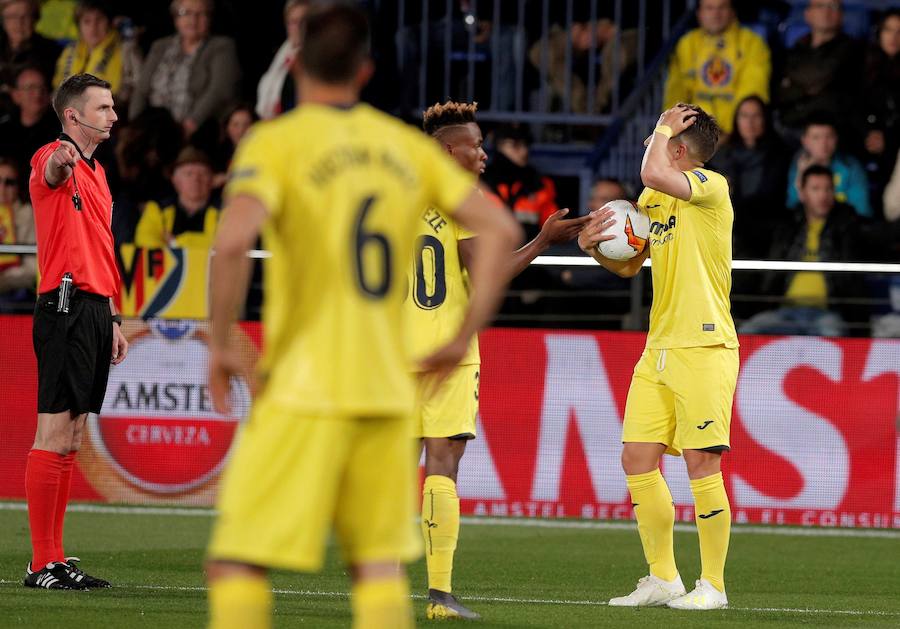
x=158 y=438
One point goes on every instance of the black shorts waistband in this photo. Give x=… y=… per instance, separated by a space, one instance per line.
x=51 y=295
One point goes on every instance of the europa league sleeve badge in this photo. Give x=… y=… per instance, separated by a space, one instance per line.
x=158 y=438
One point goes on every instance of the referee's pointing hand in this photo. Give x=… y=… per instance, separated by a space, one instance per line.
x=65 y=157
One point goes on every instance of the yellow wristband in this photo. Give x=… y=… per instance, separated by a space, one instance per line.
x=665 y=129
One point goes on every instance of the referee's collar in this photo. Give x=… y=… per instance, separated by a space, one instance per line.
x=88 y=160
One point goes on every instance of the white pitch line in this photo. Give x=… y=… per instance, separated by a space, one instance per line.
x=505 y=599
x=548 y=523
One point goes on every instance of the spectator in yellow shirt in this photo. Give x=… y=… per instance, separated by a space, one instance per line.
x=718 y=64
x=190 y=219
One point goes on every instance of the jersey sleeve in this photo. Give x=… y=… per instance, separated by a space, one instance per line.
x=258 y=170
x=37 y=184
x=446 y=185
x=708 y=189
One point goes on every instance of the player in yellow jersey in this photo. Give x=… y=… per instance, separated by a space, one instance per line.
x=437 y=301
x=337 y=190
x=683 y=385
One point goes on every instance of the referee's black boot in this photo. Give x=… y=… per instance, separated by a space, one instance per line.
x=54 y=576
x=88 y=580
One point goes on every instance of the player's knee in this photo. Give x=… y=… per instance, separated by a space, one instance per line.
x=636 y=460
x=702 y=463
x=217 y=569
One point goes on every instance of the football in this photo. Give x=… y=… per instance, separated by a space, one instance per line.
x=631 y=230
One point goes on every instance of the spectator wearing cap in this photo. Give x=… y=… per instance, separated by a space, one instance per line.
x=822 y=71
x=276 y=92
x=192 y=74
x=819 y=147
x=718 y=64
x=32 y=123
x=531 y=195
x=191 y=218
x=100 y=51
x=20 y=45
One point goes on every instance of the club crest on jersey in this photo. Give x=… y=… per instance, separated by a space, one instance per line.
x=716 y=72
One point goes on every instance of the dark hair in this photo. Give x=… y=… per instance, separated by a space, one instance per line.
x=702 y=137
x=820 y=119
x=513 y=131
x=814 y=171
x=30 y=68
x=101 y=6
x=335 y=42
x=735 y=138
x=72 y=89
x=449 y=114
x=229 y=112
x=11 y=162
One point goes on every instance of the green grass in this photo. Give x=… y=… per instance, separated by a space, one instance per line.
x=558 y=577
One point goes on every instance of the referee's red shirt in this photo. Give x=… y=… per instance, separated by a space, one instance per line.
x=79 y=242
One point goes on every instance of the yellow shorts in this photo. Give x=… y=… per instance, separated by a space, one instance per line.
x=682 y=398
x=451 y=411
x=293 y=478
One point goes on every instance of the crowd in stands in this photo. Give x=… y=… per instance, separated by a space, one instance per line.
x=811 y=99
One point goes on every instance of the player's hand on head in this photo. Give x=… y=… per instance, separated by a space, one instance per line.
x=223 y=364
x=678 y=118
x=594 y=231
x=556 y=230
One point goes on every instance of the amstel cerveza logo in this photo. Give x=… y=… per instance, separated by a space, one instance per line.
x=158 y=438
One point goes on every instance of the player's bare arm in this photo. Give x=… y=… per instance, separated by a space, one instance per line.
x=658 y=169
x=593 y=234
x=498 y=234
x=554 y=231
x=230 y=269
x=61 y=164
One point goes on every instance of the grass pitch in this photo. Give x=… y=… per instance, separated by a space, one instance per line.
x=559 y=575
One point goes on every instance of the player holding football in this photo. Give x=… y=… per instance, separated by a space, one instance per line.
x=681 y=392
x=337 y=188
x=439 y=296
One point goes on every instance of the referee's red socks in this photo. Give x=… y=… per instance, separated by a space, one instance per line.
x=43 y=472
x=62 y=500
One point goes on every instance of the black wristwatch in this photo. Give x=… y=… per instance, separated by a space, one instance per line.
x=117 y=319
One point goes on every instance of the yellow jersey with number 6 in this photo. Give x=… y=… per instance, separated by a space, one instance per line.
x=690 y=255
x=344 y=189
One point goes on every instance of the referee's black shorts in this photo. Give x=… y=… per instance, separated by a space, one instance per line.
x=73 y=352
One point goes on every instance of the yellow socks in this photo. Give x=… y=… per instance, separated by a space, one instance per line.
x=713 y=526
x=440 y=528
x=240 y=602
x=382 y=604
x=655 y=515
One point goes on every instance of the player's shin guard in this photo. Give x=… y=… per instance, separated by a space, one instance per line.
x=440 y=528
x=655 y=516
x=713 y=526
x=382 y=604
x=240 y=602
x=42 y=472
x=62 y=501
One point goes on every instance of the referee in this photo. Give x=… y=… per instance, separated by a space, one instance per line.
x=76 y=329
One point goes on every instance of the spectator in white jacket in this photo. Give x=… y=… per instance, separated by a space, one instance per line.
x=276 y=92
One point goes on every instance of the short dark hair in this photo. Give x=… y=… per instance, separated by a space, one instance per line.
x=100 y=6
x=335 y=42
x=816 y=170
x=449 y=114
x=74 y=88
x=820 y=119
x=702 y=137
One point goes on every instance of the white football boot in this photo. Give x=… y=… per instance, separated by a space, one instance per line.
x=651 y=592
x=704 y=596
